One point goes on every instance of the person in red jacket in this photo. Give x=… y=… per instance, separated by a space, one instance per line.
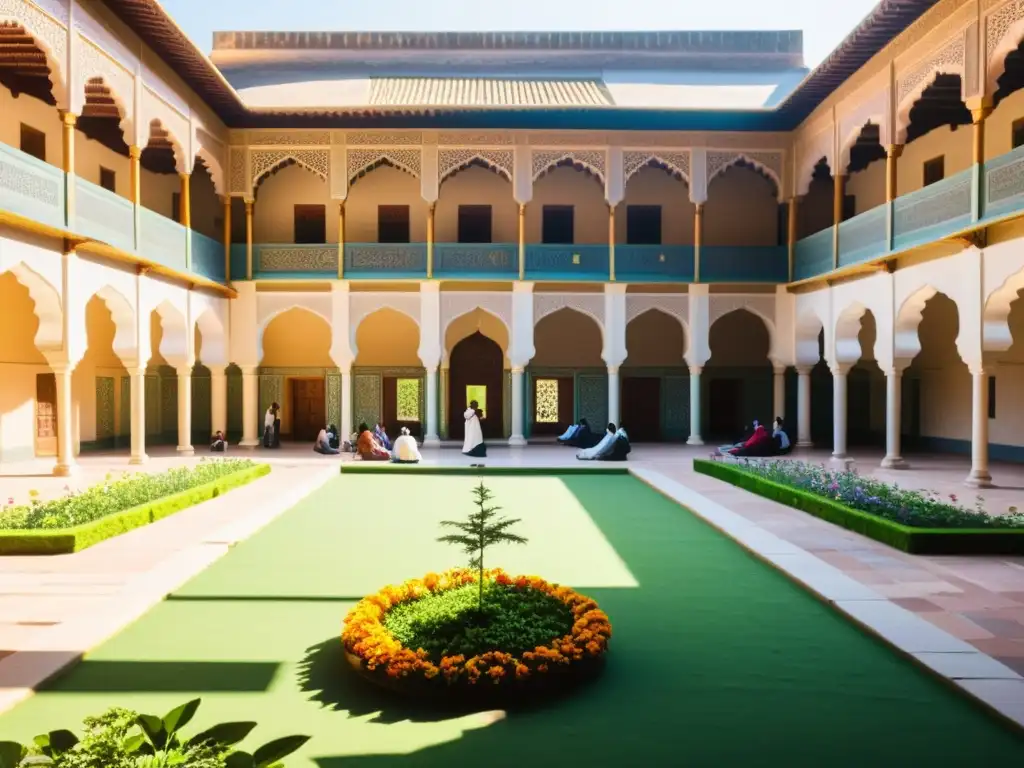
x=759 y=444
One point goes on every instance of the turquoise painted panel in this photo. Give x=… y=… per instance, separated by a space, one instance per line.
x=592 y=400
x=744 y=264
x=207 y=257
x=476 y=260
x=813 y=255
x=1004 y=184
x=654 y=263
x=30 y=187
x=286 y=260
x=863 y=237
x=103 y=215
x=238 y=261
x=933 y=212
x=675 y=407
x=162 y=240
x=567 y=262
x=383 y=261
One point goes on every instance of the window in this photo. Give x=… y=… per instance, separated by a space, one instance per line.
x=546 y=401
x=934 y=170
x=849 y=207
x=991 y=397
x=474 y=223
x=408 y=392
x=477 y=392
x=1018 y=133
x=176 y=206
x=108 y=179
x=392 y=223
x=557 y=224
x=33 y=142
x=643 y=224
x=310 y=224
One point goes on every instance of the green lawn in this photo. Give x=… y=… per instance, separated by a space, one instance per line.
x=717 y=659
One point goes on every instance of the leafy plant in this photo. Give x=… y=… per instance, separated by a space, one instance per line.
x=121 y=738
x=480 y=530
x=115 y=495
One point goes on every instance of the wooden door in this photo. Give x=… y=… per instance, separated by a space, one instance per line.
x=46 y=415
x=641 y=407
x=725 y=397
x=308 y=414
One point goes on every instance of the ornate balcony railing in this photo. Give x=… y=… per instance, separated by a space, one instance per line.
x=744 y=263
x=863 y=237
x=933 y=212
x=207 y=257
x=1004 y=184
x=496 y=260
x=567 y=262
x=103 y=215
x=654 y=263
x=283 y=260
x=385 y=261
x=813 y=255
x=31 y=188
x=163 y=240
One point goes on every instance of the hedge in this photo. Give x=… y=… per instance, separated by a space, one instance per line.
x=63 y=541
x=918 y=541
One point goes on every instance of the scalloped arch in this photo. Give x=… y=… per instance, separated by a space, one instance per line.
x=581 y=161
x=180 y=154
x=259 y=172
x=759 y=167
x=362 y=162
x=211 y=329
x=476 y=161
x=998 y=48
x=46 y=306
x=48 y=35
x=634 y=162
x=914 y=93
x=123 y=314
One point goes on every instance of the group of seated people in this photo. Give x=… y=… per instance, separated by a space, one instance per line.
x=761 y=442
x=613 y=446
x=375 y=446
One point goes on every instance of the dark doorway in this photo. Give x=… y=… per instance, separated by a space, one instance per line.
x=724 y=399
x=641 y=407
x=474 y=223
x=401 y=405
x=476 y=372
x=310 y=224
x=553 y=410
x=308 y=408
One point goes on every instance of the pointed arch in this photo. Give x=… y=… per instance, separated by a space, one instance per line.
x=666 y=313
x=211 y=328
x=125 y=344
x=769 y=324
x=265 y=161
x=453 y=161
x=755 y=160
x=359 y=315
x=214 y=168
x=912 y=89
x=591 y=161
x=362 y=161
x=675 y=164
x=846 y=347
x=809 y=327
x=49 y=37
x=47 y=306
x=448 y=345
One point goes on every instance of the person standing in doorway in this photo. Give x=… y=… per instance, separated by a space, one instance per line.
x=277 y=425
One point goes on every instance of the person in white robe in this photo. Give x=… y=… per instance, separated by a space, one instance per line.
x=405 y=451
x=598 y=450
x=473 y=445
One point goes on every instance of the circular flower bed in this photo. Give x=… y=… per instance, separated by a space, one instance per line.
x=428 y=634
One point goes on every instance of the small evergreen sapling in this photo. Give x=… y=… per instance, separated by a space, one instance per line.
x=479 y=531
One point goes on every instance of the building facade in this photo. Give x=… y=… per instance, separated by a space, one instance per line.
x=675 y=231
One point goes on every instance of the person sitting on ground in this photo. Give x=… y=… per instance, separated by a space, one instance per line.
x=601 y=448
x=584 y=437
x=759 y=444
x=747 y=433
x=368 y=448
x=323 y=444
x=332 y=436
x=405 y=451
x=782 y=444
x=474 y=445
x=566 y=436
x=217 y=443
x=381 y=436
x=620 y=447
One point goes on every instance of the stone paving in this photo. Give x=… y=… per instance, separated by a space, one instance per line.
x=977 y=599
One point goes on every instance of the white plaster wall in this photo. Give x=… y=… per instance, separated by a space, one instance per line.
x=274 y=213
x=954 y=145
x=567 y=186
x=653 y=186
x=477 y=186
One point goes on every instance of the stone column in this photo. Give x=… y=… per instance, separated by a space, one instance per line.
x=430 y=240
x=251 y=424
x=227 y=237
x=218 y=399
x=185 y=412
x=839 y=414
x=803 y=408
x=698 y=238
x=517 y=438
x=694 y=438
x=893 y=420
x=979 y=476
x=346 y=403
x=341 y=239
x=791 y=231
x=522 y=241
x=838 y=190
x=431 y=439
x=779 y=391
x=135 y=188
x=185 y=201
x=613 y=394
x=248 y=239
x=66 y=464
x=611 y=250
x=68 y=121
x=138 y=427
x=892 y=154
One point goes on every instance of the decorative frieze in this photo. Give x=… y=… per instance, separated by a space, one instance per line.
x=466 y=139
x=569 y=139
x=450 y=161
x=677 y=163
x=998 y=25
x=948 y=59
x=238 y=174
x=385 y=138
x=265 y=160
x=361 y=160
x=299 y=259
x=94 y=63
x=289 y=138
x=546 y=159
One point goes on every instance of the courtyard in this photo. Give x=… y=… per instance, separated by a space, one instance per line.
x=240 y=601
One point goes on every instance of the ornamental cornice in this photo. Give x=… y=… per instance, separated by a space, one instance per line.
x=289 y=138
x=568 y=139
x=479 y=139
x=385 y=138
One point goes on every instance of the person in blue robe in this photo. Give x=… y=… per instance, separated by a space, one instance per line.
x=589 y=454
x=620 y=447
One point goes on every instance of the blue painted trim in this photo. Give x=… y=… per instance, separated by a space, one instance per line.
x=744 y=264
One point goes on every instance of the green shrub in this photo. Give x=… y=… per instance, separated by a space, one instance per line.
x=450 y=623
x=916 y=540
x=116 y=495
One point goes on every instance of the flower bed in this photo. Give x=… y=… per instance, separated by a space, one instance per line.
x=912 y=521
x=424 y=636
x=79 y=520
